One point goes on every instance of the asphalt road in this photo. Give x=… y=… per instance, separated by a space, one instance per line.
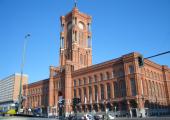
x=24 y=118
x=28 y=118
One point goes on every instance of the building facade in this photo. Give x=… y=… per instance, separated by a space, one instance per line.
x=9 y=90
x=36 y=96
x=119 y=85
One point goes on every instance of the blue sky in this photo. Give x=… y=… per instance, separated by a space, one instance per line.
x=118 y=26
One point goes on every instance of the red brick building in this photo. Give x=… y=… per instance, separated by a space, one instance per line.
x=118 y=85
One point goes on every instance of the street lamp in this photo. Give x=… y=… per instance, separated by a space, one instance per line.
x=22 y=66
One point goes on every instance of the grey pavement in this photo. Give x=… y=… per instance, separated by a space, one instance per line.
x=24 y=118
x=28 y=118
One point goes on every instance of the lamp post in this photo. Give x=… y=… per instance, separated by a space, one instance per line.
x=21 y=78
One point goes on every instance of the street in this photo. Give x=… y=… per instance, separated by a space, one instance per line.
x=30 y=118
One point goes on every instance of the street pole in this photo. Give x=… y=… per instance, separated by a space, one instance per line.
x=21 y=78
x=157 y=55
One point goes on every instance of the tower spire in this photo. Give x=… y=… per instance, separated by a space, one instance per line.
x=75 y=3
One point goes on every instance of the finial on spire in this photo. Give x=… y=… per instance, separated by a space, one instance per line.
x=75 y=3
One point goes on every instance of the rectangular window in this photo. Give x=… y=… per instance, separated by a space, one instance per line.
x=74 y=82
x=113 y=74
x=107 y=76
x=131 y=69
x=84 y=81
x=96 y=92
x=84 y=92
x=74 y=93
x=101 y=76
x=79 y=93
x=95 y=78
x=90 y=93
x=90 y=80
x=133 y=87
x=102 y=92
x=116 y=89
x=123 y=88
x=120 y=73
x=89 y=42
x=79 y=82
x=108 y=91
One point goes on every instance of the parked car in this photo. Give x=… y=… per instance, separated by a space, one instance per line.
x=88 y=117
x=98 y=117
x=111 y=116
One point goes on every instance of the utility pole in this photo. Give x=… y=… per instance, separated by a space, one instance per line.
x=20 y=98
x=157 y=55
x=141 y=59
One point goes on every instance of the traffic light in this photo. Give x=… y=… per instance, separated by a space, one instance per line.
x=74 y=101
x=140 y=60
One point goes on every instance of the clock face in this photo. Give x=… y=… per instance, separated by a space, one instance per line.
x=81 y=25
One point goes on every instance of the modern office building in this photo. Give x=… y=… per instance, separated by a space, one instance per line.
x=119 y=85
x=9 y=90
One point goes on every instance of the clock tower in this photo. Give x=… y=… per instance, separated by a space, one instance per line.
x=75 y=39
x=75 y=53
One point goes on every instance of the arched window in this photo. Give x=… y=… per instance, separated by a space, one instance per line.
x=157 y=90
x=75 y=20
x=131 y=69
x=152 y=75
x=95 y=78
x=101 y=76
x=79 y=82
x=76 y=36
x=120 y=72
x=90 y=94
x=81 y=38
x=74 y=83
x=75 y=93
x=107 y=75
x=96 y=92
x=85 y=60
x=69 y=26
x=123 y=88
x=90 y=79
x=108 y=91
x=85 y=81
x=116 y=93
x=85 y=95
x=102 y=91
x=133 y=86
x=80 y=93
x=89 y=42
x=150 y=88
x=69 y=35
x=81 y=59
x=113 y=74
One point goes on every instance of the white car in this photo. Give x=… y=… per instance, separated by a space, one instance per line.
x=111 y=116
x=89 y=117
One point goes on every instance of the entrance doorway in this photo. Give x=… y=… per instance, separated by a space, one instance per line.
x=133 y=112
